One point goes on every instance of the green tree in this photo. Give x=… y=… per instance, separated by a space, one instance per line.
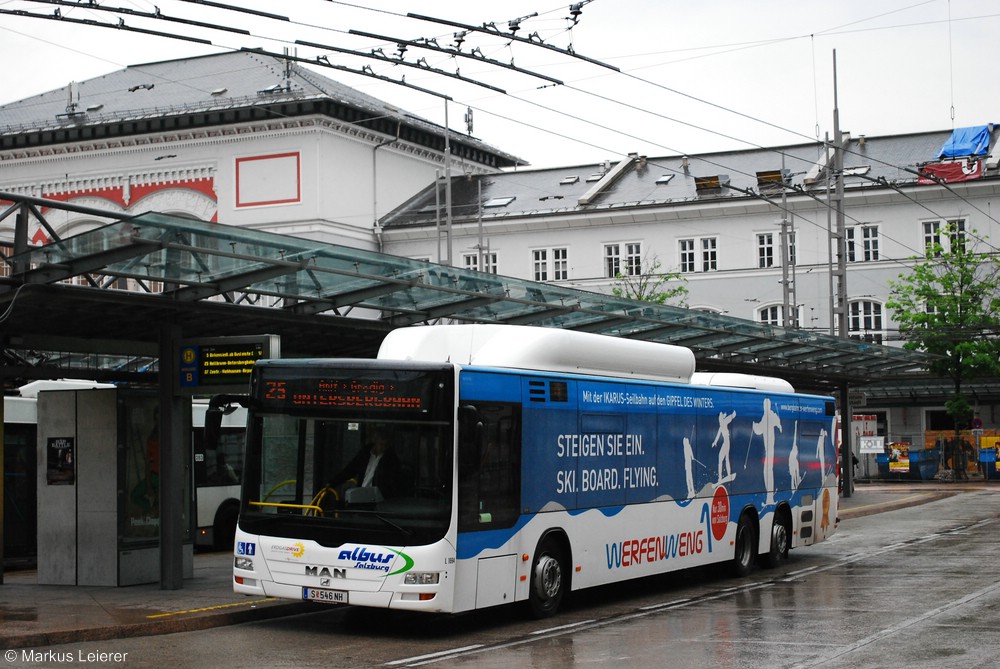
x=949 y=306
x=651 y=285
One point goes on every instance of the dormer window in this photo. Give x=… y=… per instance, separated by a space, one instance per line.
x=712 y=184
x=499 y=201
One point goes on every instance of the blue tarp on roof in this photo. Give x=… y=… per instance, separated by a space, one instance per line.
x=971 y=141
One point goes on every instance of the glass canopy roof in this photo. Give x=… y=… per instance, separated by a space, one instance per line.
x=202 y=261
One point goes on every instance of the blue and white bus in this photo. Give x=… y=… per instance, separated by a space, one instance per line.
x=526 y=463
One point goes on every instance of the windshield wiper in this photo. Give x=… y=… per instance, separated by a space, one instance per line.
x=370 y=512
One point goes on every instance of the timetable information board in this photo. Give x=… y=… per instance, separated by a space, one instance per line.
x=222 y=364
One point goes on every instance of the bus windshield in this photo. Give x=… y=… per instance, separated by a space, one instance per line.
x=341 y=453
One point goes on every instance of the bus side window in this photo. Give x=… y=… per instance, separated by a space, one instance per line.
x=489 y=466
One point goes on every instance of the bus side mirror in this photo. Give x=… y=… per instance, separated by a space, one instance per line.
x=470 y=422
x=213 y=426
x=219 y=406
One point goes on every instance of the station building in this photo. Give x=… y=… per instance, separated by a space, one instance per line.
x=748 y=233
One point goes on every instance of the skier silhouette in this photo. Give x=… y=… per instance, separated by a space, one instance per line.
x=765 y=427
x=723 y=434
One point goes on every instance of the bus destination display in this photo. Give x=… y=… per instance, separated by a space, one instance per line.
x=345 y=393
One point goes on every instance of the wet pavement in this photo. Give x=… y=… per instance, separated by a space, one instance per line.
x=33 y=615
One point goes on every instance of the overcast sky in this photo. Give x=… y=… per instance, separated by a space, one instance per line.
x=694 y=76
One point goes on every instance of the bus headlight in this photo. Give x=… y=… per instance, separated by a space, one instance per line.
x=422 y=578
x=244 y=563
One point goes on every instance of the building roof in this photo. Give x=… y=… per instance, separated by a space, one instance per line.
x=214 y=90
x=640 y=182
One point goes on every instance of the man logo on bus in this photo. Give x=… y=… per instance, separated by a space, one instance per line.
x=325 y=573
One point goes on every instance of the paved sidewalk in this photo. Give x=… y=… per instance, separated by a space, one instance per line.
x=33 y=616
x=879 y=497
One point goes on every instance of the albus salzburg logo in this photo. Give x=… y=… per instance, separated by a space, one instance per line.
x=375 y=561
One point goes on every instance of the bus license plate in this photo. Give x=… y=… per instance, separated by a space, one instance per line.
x=322 y=595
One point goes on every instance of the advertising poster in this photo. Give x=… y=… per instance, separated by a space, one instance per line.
x=141 y=468
x=61 y=468
x=899 y=457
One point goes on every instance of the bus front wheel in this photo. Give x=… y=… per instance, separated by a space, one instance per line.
x=224 y=528
x=746 y=546
x=548 y=580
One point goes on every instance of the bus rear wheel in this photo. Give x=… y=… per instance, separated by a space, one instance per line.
x=780 y=538
x=746 y=546
x=548 y=580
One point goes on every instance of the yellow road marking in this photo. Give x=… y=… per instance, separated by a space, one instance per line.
x=211 y=608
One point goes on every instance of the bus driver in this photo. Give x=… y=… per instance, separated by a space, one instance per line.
x=375 y=466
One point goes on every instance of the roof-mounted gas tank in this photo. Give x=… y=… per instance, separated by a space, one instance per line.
x=542 y=349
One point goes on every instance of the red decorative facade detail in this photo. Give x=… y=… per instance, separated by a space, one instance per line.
x=125 y=198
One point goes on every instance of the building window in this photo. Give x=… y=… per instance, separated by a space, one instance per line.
x=471 y=261
x=633 y=259
x=540 y=264
x=934 y=239
x=560 y=264
x=689 y=258
x=870 y=242
x=709 y=254
x=5 y=268
x=957 y=236
x=765 y=250
x=767 y=242
x=614 y=263
x=862 y=243
x=790 y=247
x=499 y=201
x=612 y=260
x=865 y=321
x=541 y=270
x=775 y=315
x=687 y=265
x=770 y=315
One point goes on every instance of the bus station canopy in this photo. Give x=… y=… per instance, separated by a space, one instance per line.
x=65 y=311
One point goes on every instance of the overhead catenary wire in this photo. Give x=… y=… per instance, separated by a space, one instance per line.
x=156 y=14
x=506 y=37
x=326 y=63
x=730 y=110
x=532 y=43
